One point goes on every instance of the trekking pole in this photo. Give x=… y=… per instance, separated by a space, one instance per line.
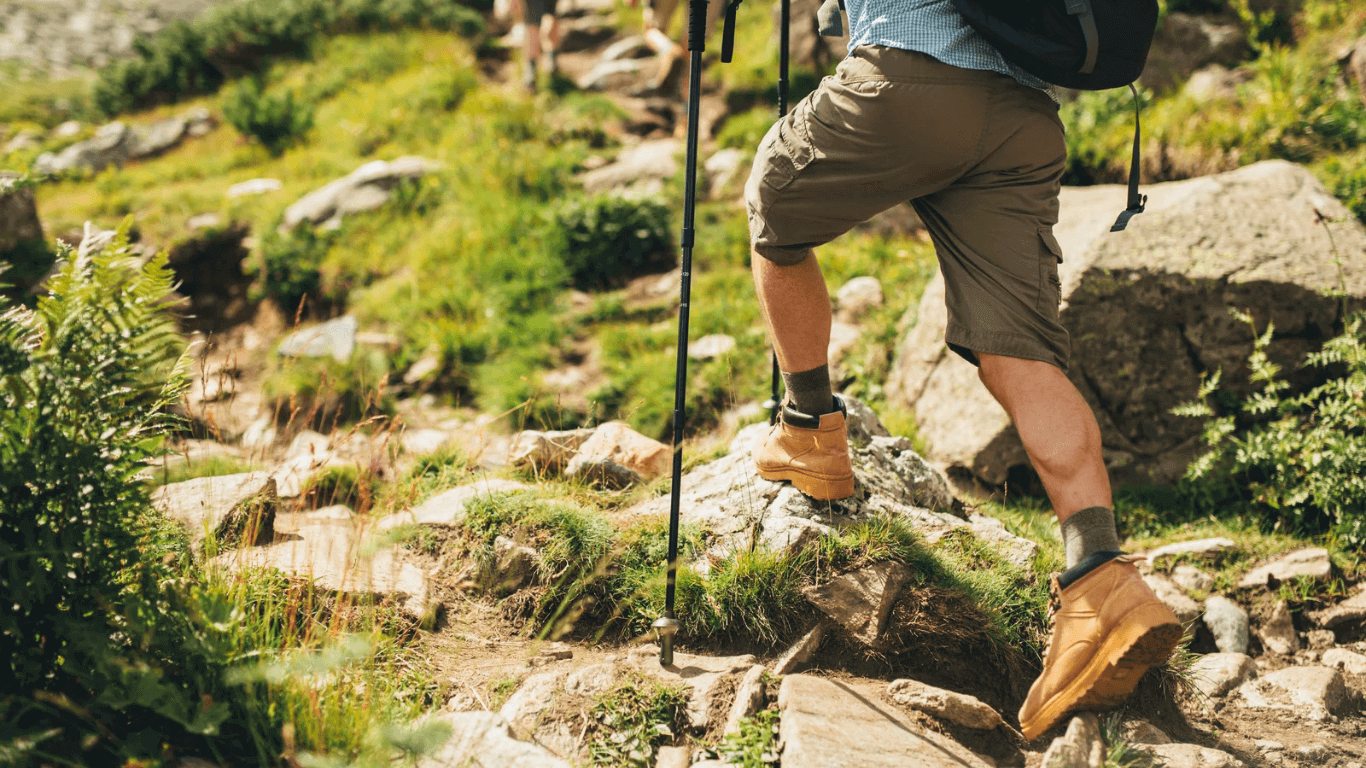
x=784 y=27
x=667 y=625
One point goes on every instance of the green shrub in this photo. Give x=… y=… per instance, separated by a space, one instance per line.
x=1302 y=462
x=277 y=122
x=288 y=270
x=606 y=240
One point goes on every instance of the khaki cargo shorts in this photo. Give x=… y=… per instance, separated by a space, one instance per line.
x=980 y=157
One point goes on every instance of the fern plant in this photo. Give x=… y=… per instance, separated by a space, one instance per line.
x=1302 y=464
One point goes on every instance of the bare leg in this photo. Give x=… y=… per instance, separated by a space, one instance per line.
x=1057 y=428
x=796 y=307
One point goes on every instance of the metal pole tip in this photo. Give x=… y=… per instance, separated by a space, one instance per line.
x=665 y=628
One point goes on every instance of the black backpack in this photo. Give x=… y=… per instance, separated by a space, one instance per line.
x=1087 y=44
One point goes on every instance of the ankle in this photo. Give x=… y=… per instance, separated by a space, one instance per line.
x=810 y=392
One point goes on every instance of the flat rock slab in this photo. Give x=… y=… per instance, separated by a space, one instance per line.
x=447 y=509
x=1080 y=747
x=960 y=708
x=483 y=740
x=1345 y=612
x=1190 y=756
x=1311 y=692
x=205 y=505
x=826 y=724
x=1198 y=547
x=1350 y=662
x=1312 y=563
x=1185 y=608
x=1216 y=674
x=861 y=600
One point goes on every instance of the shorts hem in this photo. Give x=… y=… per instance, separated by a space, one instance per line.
x=968 y=343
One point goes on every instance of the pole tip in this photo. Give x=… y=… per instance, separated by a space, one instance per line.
x=665 y=628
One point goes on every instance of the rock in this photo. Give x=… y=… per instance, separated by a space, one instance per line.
x=1192 y=579
x=826 y=724
x=1227 y=621
x=1348 y=661
x=1080 y=747
x=711 y=347
x=800 y=652
x=198 y=122
x=702 y=674
x=225 y=507
x=24 y=141
x=292 y=477
x=1144 y=732
x=252 y=187
x=524 y=707
x=1018 y=551
x=1216 y=82
x=259 y=435
x=857 y=297
x=1186 y=42
x=1148 y=313
x=1190 y=756
x=674 y=757
x=109 y=146
x=447 y=509
x=485 y=740
x=616 y=456
x=805 y=45
x=1345 y=612
x=513 y=566
x=1278 y=633
x=729 y=498
x=1311 y=692
x=1186 y=609
x=334 y=338
x=331 y=553
x=366 y=188
x=843 y=338
x=749 y=698
x=19 y=223
x=722 y=168
x=863 y=599
x=1321 y=639
x=418 y=442
x=1312 y=563
x=307 y=443
x=1353 y=62
x=1216 y=674
x=610 y=75
x=630 y=47
x=67 y=130
x=584 y=33
x=959 y=708
x=157 y=138
x=546 y=451
x=204 y=221
x=1198 y=548
x=649 y=161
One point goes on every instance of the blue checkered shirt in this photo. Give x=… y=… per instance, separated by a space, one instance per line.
x=931 y=27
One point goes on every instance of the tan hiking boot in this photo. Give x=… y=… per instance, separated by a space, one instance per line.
x=811 y=452
x=1109 y=628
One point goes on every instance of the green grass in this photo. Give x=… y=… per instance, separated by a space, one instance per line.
x=755 y=744
x=630 y=721
x=212 y=466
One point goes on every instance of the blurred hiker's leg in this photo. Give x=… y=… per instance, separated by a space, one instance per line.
x=1057 y=428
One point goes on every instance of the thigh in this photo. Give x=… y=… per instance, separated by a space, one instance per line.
x=993 y=232
x=887 y=127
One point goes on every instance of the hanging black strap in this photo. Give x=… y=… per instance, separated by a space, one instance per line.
x=728 y=35
x=1082 y=10
x=1136 y=201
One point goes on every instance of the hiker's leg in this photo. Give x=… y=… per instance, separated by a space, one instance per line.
x=796 y=307
x=1057 y=428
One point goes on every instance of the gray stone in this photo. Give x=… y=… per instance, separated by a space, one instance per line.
x=365 y=188
x=1148 y=313
x=1198 y=548
x=18 y=215
x=523 y=709
x=67 y=130
x=1192 y=579
x=546 y=451
x=447 y=509
x=1216 y=82
x=827 y=724
x=800 y=652
x=858 y=297
x=1190 y=756
x=616 y=456
x=204 y=221
x=109 y=146
x=293 y=475
x=512 y=567
x=648 y=161
x=485 y=740
x=252 y=187
x=674 y=757
x=630 y=47
x=1080 y=747
x=1227 y=621
x=1310 y=692
x=224 y=507
x=157 y=138
x=1144 y=732
x=722 y=168
x=1016 y=550
x=959 y=708
x=1278 y=633
x=607 y=75
x=1350 y=662
x=1321 y=639
x=23 y=141
x=806 y=46
x=863 y=599
x=1348 y=611
x=1353 y=62
x=1216 y=674
x=1312 y=563
x=749 y=698
x=1186 y=609
x=334 y=338
x=711 y=347
x=1186 y=42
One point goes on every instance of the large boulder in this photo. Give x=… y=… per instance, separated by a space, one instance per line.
x=117 y=143
x=1148 y=310
x=364 y=189
x=1187 y=42
x=232 y=509
x=20 y=227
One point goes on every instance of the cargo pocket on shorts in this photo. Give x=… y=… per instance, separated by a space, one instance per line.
x=788 y=148
x=1050 y=285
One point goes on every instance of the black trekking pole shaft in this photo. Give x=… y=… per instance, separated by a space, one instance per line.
x=667 y=626
x=784 y=46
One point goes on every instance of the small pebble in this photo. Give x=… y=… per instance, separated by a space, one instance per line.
x=1267 y=745
x=1313 y=751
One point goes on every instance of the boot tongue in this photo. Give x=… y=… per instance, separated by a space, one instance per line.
x=1089 y=563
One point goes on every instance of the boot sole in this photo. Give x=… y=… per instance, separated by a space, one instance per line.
x=1145 y=639
x=822 y=489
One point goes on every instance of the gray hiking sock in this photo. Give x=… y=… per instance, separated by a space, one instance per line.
x=809 y=391
x=1088 y=531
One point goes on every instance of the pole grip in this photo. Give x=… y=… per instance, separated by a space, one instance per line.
x=728 y=35
x=697 y=25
